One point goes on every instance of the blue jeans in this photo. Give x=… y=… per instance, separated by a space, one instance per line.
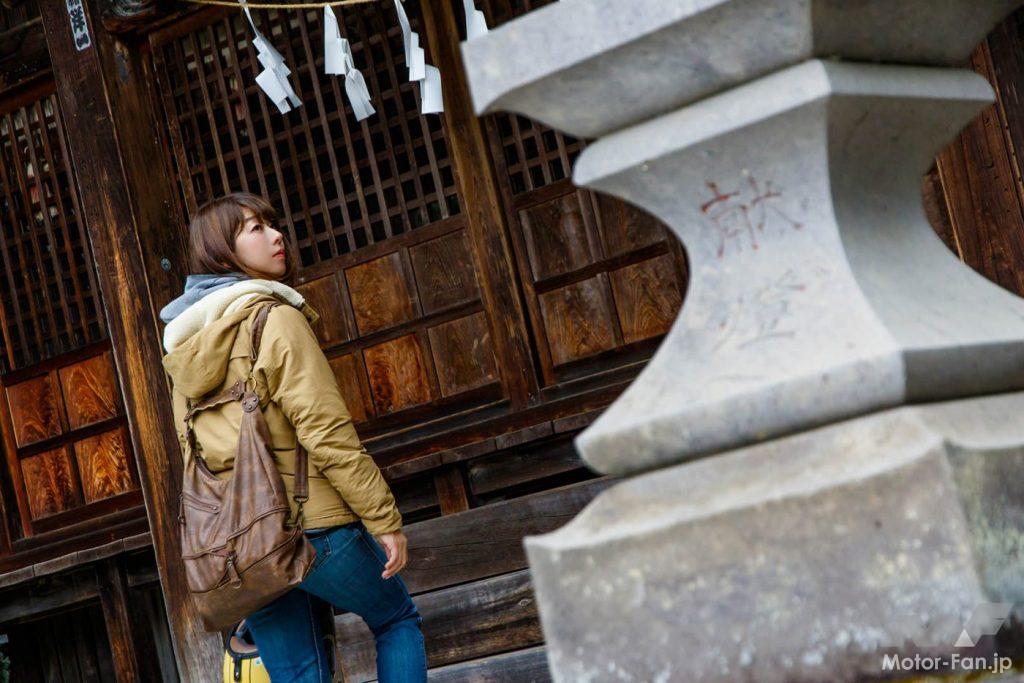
x=346 y=573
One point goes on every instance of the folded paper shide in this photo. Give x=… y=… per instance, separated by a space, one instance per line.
x=339 y=61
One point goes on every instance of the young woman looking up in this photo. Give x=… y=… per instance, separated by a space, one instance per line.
x=240 y=260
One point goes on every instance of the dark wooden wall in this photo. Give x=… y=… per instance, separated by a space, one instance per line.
x=478 y=310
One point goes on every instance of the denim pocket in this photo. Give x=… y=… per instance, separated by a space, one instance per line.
x=322 y=544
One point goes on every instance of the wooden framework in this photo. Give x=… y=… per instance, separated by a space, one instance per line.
x=478 y=310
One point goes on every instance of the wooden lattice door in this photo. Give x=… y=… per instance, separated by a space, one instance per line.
x=68 y=453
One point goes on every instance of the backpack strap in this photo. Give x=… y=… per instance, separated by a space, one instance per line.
x=235 y=392
x=300 y=491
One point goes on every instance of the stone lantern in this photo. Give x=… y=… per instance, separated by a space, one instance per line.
x=825 y=455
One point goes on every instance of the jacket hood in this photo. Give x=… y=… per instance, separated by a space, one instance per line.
x=200 y=339
x=198 y=286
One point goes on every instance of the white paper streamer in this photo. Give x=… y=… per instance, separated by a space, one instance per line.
x=428 y=77
x=338 y=61
x=274 y=77
x=476 y=23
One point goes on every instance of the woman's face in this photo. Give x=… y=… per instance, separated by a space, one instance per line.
x=260 y=248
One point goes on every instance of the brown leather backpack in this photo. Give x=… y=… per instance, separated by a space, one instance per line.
x=239 y=548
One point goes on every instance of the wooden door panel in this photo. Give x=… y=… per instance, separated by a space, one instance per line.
x=60 y=403
x=90 y=391
x=103 y=463
x=557 y=235
x=325 y=294
x=355 y=389
x=34 y=410
x=399 y=375
x=463 y=354
x=445 y=272
x=67 y=445
x=381 y=291
x=50 y=482
x=646 y=298
x=578 y=320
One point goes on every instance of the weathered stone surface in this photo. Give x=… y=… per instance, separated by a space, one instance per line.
x=818 y=289
x=591 y=66
x=802 y=558
x=818 y=293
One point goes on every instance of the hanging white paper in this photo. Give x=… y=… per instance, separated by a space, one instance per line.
x=338 y=60
x=428 y=77
x=418 y=60
x=430 y=92
x=403 y=21
x=476 y=23
x=273 y=80
x=358 y=94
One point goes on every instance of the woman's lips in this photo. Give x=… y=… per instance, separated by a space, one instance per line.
x=279 y=254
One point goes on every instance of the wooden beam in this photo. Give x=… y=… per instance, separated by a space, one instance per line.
x=113 y=590
x=481 y=203
x=460 y=623
x=451 y=490
x=447 y=551
x=129 y=208
x=530 y=664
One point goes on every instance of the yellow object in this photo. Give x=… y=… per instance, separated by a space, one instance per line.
x=242 y=662
x=244 y=669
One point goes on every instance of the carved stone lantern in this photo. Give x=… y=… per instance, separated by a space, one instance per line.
x=822 y=448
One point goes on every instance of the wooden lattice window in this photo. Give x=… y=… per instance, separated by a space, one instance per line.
x=340 y=184
x=602 y=281
x=534 y=155
x=49 y=301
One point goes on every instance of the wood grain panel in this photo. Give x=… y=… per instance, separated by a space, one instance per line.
x=381 y=293
x=506 y=469
x=578 y=320
x=348 y=370
x=460 y=623
x=49 y=483
x=34 y=409
x=103 y=463
x=90 y=390
x=647 y=297
x=936 y=209
x=398 y=374
x=529 y=664
x=445 y=272
x=624 y=227
x=324 y=295
x=979 y=181
x=463 y=354
x=450 y=550
x=556 y=235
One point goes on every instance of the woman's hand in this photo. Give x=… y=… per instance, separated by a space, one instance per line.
x=395 y=545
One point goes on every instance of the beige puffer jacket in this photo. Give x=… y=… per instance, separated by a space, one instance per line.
x=209 y=351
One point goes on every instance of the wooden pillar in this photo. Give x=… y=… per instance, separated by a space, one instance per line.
x=481 y=202
x=113 y=590
x=129 y=207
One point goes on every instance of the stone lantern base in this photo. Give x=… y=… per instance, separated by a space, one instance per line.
x=810 y=557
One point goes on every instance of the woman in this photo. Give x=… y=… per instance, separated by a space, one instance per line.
x=243 y=261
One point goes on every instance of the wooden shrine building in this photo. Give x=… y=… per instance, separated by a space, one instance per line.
x=478 y=309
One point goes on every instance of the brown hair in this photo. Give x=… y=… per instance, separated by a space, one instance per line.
x=215 y=227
